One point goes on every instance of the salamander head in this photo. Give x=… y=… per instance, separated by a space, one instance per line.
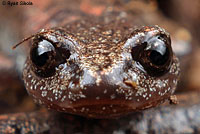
x=101 y=71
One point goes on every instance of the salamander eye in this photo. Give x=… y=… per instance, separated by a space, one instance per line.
x=46 y=56
x=154 y=54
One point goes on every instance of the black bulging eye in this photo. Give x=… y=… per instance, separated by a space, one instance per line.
x=158 y=58
x=154 y=54
x=42 y=53
x=45 y=57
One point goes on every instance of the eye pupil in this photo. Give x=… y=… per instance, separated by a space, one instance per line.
x=157 y=58
x=40 y=54
x=39 y=60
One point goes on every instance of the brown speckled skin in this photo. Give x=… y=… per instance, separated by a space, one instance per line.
x=92 y=81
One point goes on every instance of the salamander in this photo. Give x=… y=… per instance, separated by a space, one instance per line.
x=101 y=67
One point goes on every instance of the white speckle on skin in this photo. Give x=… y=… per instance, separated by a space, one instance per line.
x=63 y=98
x=44 y=93
x=112 y=96
x=114 y=110
x=160 y=84
x=82 y=109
